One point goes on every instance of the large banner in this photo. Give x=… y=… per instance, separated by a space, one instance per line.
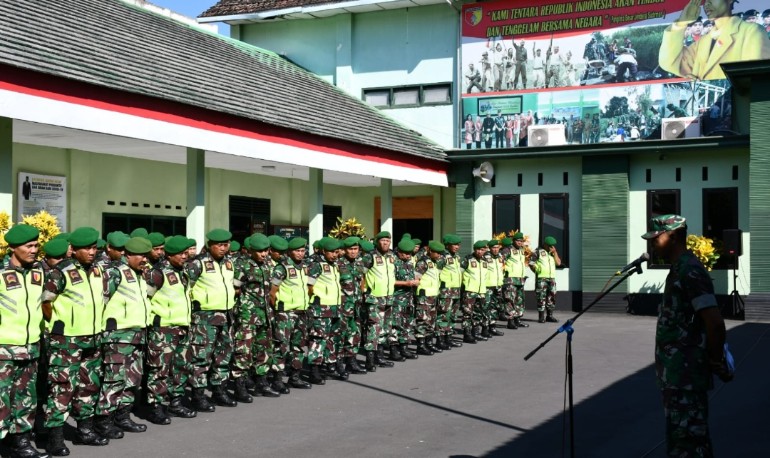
x=43 y=192
x=604 y=70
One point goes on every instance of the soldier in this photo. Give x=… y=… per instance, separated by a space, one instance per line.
x=543 y=263
x=380 y=286
x=21 y=323
x=289 y=298
x=139 y=232
x=352 y=282
x=116 y=243
x=474 y=270
x=253 y=333
x=73 y=303
x=448 y=302
x=513 y=281
x=125 y=320
x=156 y=254
x=168 y=340
x=427 y=274
x=55 y=252
x=403 y=299
x=235 y=251
x=325 y=293
x=495 y=303
x=213 y=297
x=520 y=69
x=689 y=341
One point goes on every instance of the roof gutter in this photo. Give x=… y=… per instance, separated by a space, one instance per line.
x=263 y=15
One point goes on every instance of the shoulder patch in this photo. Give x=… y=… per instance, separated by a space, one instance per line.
x=378 y=260
x=326 y=268
x=129 y=275
x=172 y=278
x=11 y=280
x=97 y=272
x=292 y=272
x=209 y=266
x=474 y=264
x=37 y=277
x=228 y=265
x=75 y=277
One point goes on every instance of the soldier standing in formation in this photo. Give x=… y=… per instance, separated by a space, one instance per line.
x=543 y=263
x=513 y=282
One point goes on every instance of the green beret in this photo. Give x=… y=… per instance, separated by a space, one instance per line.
x=436 y=246
x=367 y=246
x=83 y=237
x=219 y=235
x=258 y=242
x=193 y=242
x=451 y=239
x=406 y=246
x=351 y=241
x=518 y=236
x=480 y=244
x=62 y=235
x=317 y=244
x=550 y=241
x=139 y=232
x=507 y=241
x=406 y=236
x=382 y=235
x=247 y=243
x=297 y=243
x=278 y=243
x=56 y=248
x=235 y=246
x=331 y=245
x=21 y=234
x=417 y=242
x=156 y=238
x=138 y=245
x=493 y=242
x=117 y=239
x=176 y=244
x=101 y=243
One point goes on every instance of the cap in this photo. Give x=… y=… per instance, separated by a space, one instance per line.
x=278 y=243
x=156 y=238
x=493 y=242
x=351 y=242
x=219 y=235
x=664 y=223
x=138 y=245
x=406 y=245
x=297 y=243
x=507 y=241
x=21 y=234
x=317 y=244
x=382 y=235
x=235 y=246
x=330 y=244
x=100 y=243
x=83 y=237
x=367 y=246
x=480 y=244
x=518 y=236
x=56 y=248
x=452 y=239
x=551 y=241
x=436 y=246
x=139 y=232
x=176 y=244
x=258 y=242
x=417 y=242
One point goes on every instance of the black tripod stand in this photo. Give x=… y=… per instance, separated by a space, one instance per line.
x=567 y=327
x=735 y=298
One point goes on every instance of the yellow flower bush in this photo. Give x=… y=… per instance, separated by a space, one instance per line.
x=45 y=222
x=348 y=228
x=704 y=248
x=502 y=235
x=5 y=224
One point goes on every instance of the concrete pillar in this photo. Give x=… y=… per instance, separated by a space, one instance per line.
x=343 y=74
x=196 y=195
x=316 y=205
x=386 y=205
x=6 y=166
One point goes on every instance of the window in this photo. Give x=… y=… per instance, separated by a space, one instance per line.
x=409 y=96
x=166 y=225
x=505 y=213
x=554 y=222
x=720 y=212
x=248 y=215
x=331 y=213
x=660 y=202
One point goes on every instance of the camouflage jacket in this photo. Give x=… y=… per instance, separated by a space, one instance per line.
x=253 y=281
x=404 y=272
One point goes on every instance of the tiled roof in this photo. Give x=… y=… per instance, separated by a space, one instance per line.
x=232 y=7
x=116 y=45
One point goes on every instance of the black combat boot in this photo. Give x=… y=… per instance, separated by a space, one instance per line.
x=431 y=346
x=550 y=318
x=520 y=323
x=200 y=402
x=423 y=349
x=176 y=409
x=342 y=370
x=452 y=342
x=444 y=342
x=277 y=385
x=494 y=332
x=241 y=393
x=402 y=348
x=250 y=382
x=86 y=434
x=263 y=388
x=158 y=416
x=379 y=357
x=221 y=398
x=468 y=336
x=512 y=324
x=296 y=382
x=478 y=334
x=123 y=420
x=55 y=445
x=353 y=366
x=315 y=375
x=21 y=447
x=395 y=354
x=541 y=317
x=103 y=424
x=370 y=365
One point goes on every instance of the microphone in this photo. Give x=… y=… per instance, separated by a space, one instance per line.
x=634 y=264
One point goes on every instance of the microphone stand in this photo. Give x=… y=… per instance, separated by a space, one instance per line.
x=569 y=330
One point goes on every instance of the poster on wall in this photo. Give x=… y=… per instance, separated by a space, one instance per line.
x=43 y=192
x=603 y=70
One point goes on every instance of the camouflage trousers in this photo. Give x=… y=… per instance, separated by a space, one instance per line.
x=403 y=317
x=546 y=294
x=687 y=431
x=74 y=378
x=348 y=339
x=496 y=305
x=211 y=346
x=323 y=326
x=168 y=363
x=18 y=389
x=472 y=309
x=253 y=350
x=290 y=333
x=448 y=310
x=122 y=355
x=378 y=311
x=514 y=298
x=425 y=316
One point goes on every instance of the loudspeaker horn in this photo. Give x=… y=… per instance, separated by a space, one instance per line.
x=485 y=171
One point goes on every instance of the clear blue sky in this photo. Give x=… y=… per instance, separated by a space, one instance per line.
x=191 y=8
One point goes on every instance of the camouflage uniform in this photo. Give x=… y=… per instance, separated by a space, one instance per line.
x=681 y=359
x=425 y=308
x=379 y=310
x=19 y=358
x=349 y=337
x=495 y=303
x=322 y=320
x=473 y=299
x=253 y=329
x=290 y=326
x=403 y=301
x=545 y=287
x=448 y=298
x=513 y=287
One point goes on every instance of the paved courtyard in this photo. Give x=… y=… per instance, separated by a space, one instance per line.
x=483 y=401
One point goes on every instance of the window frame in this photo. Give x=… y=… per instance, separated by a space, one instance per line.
x=420 y=95
x=725 y=261
x=655 y=262
x=516 y=198
x=563 y=252
x=176 y=221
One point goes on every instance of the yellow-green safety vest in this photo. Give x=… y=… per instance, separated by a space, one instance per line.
x=495 y=272
x=21 y=315
x=451 y=274
x=327 y=286
x=545 y=267
x=81 y=305
x=214 y=289
x=430 y=282
x=381 y=277
x=474 y=276
x=515 y=264
x=172 y=301
x=293 y=289
x=129 y=305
